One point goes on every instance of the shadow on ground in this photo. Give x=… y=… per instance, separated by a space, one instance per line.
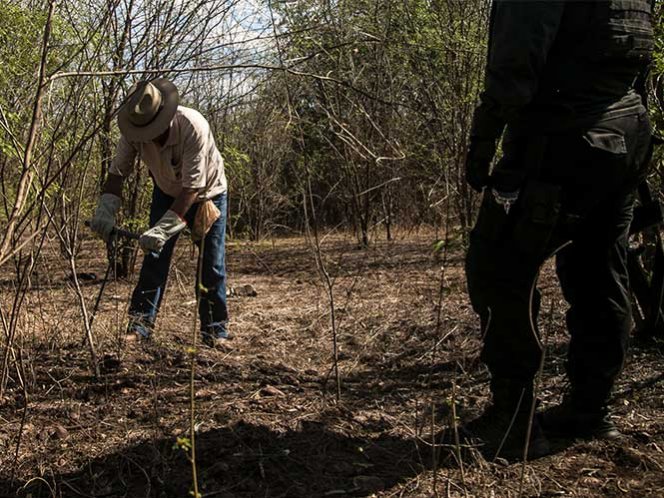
x=249 y=460
x=245 y=460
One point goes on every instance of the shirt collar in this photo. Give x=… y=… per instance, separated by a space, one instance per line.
x=173 y=133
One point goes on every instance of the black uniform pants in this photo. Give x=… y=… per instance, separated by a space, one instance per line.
x=585 y=199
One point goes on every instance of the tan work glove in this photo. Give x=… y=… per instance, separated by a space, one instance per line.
x=153 y=240
x=103 y=221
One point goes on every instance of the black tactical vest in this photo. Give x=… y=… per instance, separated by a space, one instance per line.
x=620 y=30
x=601 y=48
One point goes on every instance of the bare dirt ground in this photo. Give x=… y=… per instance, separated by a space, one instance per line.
x=267 y=421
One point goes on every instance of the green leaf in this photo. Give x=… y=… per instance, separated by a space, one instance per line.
x=182 y=443
x=438 y=246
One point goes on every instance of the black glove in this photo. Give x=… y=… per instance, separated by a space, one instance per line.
x=478 y=162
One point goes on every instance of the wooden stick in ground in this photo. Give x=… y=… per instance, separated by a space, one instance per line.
x=69 y=244
x=86 y=319
x=327 y=280
x=533 y=406
x=192 y=371
x=434 y=355
x=538 y=377
x=24 y=418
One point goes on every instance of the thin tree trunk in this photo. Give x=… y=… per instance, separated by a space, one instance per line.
x=27 y=175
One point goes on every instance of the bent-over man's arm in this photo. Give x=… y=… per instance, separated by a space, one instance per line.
x=184 y=201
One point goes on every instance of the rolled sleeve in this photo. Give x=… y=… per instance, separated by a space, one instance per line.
x=125 y=156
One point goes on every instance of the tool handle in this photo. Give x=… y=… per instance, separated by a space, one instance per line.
x=119 y=232
x=126 y=234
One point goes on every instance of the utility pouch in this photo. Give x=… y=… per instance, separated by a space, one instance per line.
x=538 y=214
x=205 y=217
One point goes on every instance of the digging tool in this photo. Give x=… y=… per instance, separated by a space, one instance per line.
x=111 y=246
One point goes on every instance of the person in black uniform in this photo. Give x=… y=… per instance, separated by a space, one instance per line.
x=560 y=90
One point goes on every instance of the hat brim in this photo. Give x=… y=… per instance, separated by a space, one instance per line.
x=161 y=122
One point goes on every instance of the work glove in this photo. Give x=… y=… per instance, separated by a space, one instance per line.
x=103 y=221
x=153 y=240
x=478 y=162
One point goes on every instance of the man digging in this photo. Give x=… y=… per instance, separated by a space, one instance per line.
x=190 y=187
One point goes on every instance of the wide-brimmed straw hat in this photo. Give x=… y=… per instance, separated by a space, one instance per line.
x=148 y=110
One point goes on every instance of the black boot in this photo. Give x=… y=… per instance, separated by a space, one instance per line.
x=502 y=430
x=574 y=420
x=500 y=434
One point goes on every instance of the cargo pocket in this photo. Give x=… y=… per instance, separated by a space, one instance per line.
x=538 y=215
x=607 y=140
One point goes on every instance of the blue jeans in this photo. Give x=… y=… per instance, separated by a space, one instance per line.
x=149 y=292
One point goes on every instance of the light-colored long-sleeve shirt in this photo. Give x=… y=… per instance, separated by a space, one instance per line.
x=188 y=159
